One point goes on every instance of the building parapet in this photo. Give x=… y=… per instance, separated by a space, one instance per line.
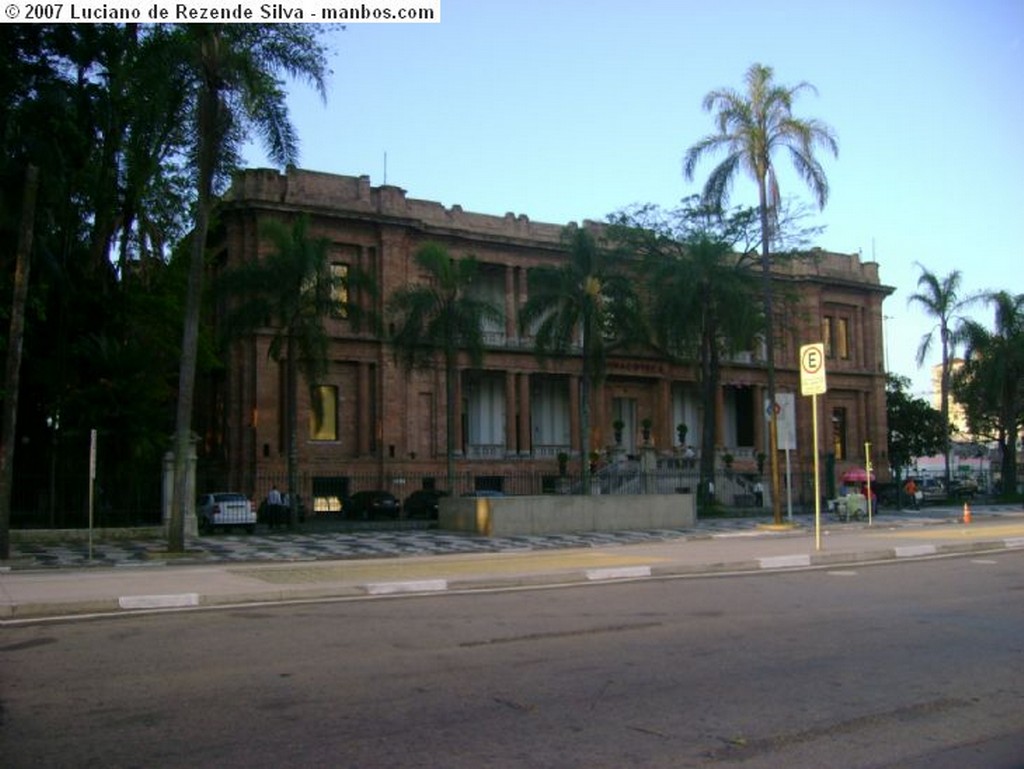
x=314 y=190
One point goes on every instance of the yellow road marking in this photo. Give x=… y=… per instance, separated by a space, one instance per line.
x=395 y=569
x=961 y=531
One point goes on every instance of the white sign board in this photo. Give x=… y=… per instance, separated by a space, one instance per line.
x=785 y=421
x=812 y=369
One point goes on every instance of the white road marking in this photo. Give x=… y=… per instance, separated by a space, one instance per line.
x=168 y=601
x=784 y=561
x=914 y=551
x=414 y=586
x=624 y=572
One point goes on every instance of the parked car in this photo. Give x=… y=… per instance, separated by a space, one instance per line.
x=888 y=494
x=225 y=508
x=365 y=505
x=932 y=490
x=964 y=488
x=423 y=503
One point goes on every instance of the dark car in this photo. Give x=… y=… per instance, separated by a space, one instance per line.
x=964 y=488
x=366 y=505
x=423 y=503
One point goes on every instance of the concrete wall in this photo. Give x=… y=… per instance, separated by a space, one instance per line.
x=504 y=516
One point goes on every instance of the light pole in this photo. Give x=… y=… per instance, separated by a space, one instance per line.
x=885 y=342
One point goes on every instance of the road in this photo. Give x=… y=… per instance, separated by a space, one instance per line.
x=906 y=665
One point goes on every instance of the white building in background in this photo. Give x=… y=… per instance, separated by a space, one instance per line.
x=957 y=415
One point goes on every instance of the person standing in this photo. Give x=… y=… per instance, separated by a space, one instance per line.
x=911 y=488
x=275 y=507
x=759 y=493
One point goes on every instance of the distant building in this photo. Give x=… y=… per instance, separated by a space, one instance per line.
x=382 y=427
x=957 y=415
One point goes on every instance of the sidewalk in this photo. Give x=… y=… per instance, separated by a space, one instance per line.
x=226 y=570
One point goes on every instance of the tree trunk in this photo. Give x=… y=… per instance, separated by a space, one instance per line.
x=769 y=321
x=944 y=406
x=584 y=394
x=12 y=371
x=709 y=384
x=1011 y=432
x=181 y=505
x=450 y=373
x=291 y=411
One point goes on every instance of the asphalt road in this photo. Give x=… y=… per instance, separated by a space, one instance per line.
x=900 y=665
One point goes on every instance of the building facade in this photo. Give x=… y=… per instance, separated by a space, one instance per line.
x=378 y=425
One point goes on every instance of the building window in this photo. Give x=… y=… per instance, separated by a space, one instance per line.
x=339 y=290
x=842 y=339
x=323 y=413
x=839 y=433
x=826 y=335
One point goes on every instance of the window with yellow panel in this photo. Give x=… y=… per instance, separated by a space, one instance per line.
x=323 y=413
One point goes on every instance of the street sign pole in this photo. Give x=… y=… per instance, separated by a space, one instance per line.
x=812 y=382
x=867 y=473
x=817 y=475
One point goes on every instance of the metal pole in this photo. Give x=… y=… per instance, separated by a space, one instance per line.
x=817 y=482
x=867 y=473
x=92 y=483
x=789 y=487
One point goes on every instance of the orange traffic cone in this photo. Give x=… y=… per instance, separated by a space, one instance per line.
x=967 y=513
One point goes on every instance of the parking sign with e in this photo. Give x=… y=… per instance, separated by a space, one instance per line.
x=812 y=369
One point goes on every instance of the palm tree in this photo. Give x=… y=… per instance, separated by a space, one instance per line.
x=589 y=299
x=940 y=298
x=752 y=127
x=993 y=374
x=291 y=293
x=442 y=316
x=699 y=293
x=233 y=87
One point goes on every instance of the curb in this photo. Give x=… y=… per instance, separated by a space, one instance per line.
x=139 y=604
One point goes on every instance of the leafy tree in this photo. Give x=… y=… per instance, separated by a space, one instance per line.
x=752 y=127
x=587 y=301
x=940 y=298
x=233 y=87
x=700 y=293
x=915 y=428
x=106 y=97
x=290 y=294
x=991 y=382
x=441 y=316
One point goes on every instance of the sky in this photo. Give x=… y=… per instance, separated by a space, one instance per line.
x=571 y=110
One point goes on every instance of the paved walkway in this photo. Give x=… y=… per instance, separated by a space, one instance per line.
x=61 y=579
x=324 y=541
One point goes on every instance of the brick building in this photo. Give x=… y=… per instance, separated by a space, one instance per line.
x=383 y=427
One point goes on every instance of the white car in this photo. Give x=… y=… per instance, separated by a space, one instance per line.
x=225 y=508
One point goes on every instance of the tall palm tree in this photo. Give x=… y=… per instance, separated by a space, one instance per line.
x=940 y=298
x=752 y=127
x=290 y=294
x=589 y=300
x=993 y=374
x=233 y=87
x=441 y=316
x=700 y=293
